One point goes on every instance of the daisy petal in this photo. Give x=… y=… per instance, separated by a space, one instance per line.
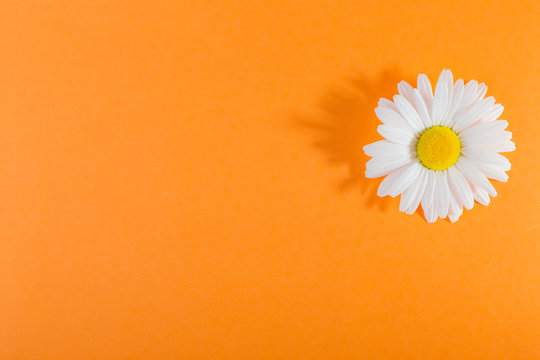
x=500 y=143
x=460 y=188
x=393 y=118
x=430 y=213
x=506 y=146
x=406 y=90
x=440 y=104
x=454 y=210
x=396 y=135
x=409 y=113
x=422 y=109
x=399 y=180
x=419 y=194
x=410 y=198
x=487 y=139
x=387 y=104
x=385 y=147
x=475 y=176
x=424 y=86
x=482 y=89
x=487 y=157
x=442 y=194
x=492 y=172
x=469 y=95
x=480 y=195
x=493 y=143
x=493 y=113
x=378 y=167
x=454 y=216
x=443 y=97
x=428 y=197
x=456 y=101
x=484 y=129
x=474 y=113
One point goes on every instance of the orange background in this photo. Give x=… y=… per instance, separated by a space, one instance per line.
x=184 y=180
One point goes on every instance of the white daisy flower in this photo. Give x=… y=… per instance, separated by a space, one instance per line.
x=440 y=150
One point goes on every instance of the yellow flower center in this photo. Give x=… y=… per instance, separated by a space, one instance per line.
x=438 y=148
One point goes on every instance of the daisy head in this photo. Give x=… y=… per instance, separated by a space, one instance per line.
x=439 y=150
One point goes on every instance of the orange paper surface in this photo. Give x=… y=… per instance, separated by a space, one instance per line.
x=185 y=180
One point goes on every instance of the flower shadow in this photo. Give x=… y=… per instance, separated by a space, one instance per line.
x=347 y=122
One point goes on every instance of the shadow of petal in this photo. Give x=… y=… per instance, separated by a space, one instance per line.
x=347 y=122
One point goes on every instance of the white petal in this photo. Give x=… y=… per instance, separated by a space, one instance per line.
x=475 y=176
x=409 y=113
x=482 y=89
x=428 y=197
x=443 y=97
x=424 y=86
x=442 y=194
x=420 y=193
x=485 y=129
x=422 y=109
x=406 y=90
x=469 y=95
x=454 y=210
x=480 y=195
x=468 y=99
x=473 y=114
x=399 y=180
x=486 y=156
x=506 y=146
x=488 y=136
x=450 y=79
x=394 y=134
x=393 y=118
x=454 y=216
x=485 y=139
x=410 y=198
x=383 y=147
x=492 y=172
x=460 y=188
x=388 y=104
x=493 y=113
x=500 y=143
x=440 y=104
x=456 y=101
x=430 y=213
x=378 y=167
